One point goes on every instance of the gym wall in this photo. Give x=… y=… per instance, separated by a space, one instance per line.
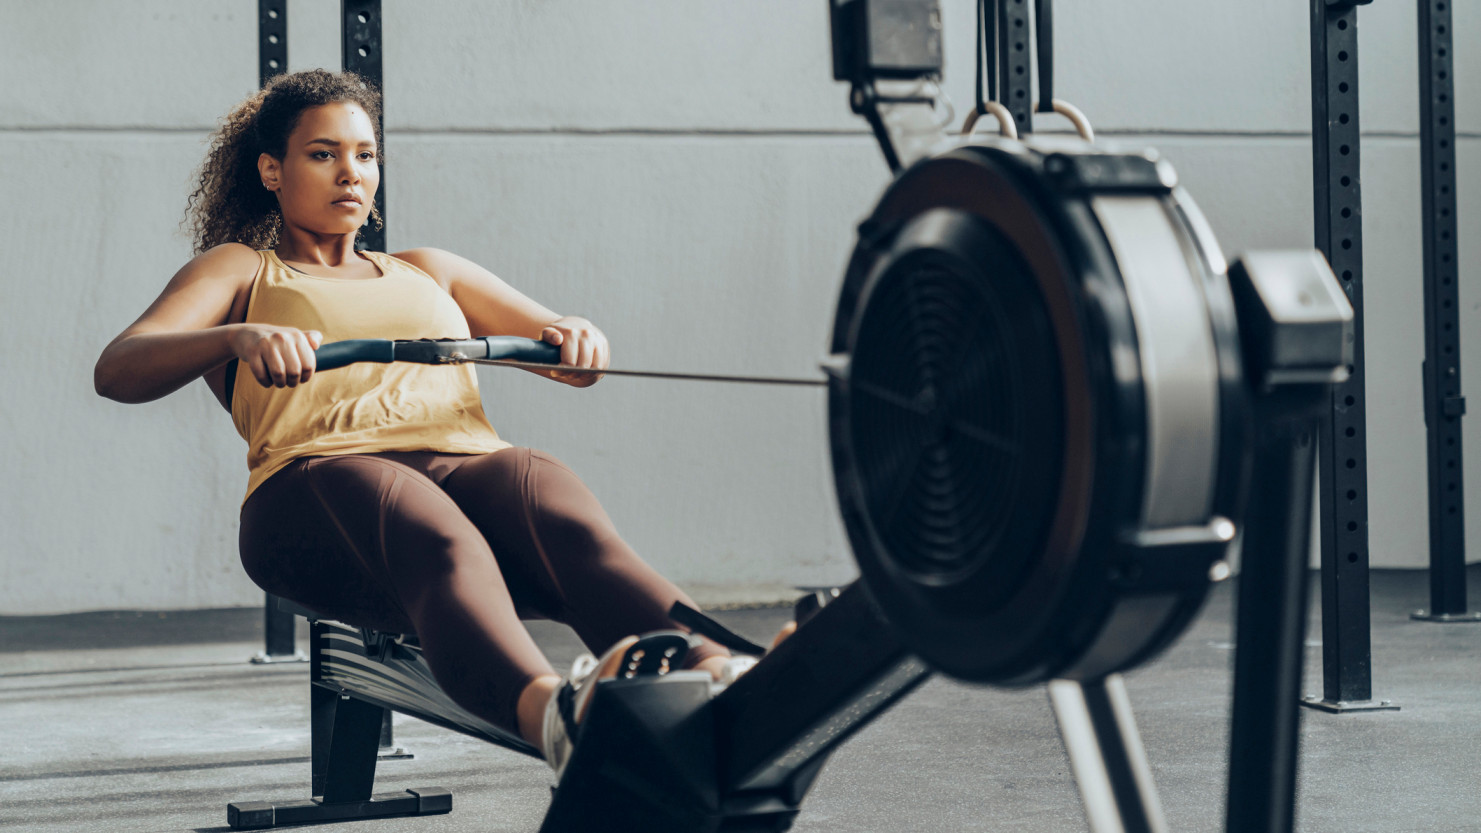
x=684 y=173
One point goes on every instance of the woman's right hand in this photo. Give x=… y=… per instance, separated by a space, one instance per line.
x=281 y=357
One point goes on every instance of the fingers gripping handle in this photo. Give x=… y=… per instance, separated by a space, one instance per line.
x=512 y=348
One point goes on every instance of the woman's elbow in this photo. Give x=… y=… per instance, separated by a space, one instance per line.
x=105 y=383
x=110 y=382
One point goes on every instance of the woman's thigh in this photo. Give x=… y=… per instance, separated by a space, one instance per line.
x=353 y=537
x=546 y=527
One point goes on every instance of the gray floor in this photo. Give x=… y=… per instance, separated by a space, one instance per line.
x=153 y=722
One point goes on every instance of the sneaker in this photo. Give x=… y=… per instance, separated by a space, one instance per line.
x=653 y=654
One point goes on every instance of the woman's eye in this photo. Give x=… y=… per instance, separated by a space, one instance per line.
x=322 y=154
x=367 y=155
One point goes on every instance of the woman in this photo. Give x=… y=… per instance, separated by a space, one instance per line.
x=379 y=495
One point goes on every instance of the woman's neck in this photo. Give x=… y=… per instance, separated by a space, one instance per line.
x=328 y=251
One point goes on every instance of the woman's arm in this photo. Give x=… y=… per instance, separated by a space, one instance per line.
x=185 y=334
x=493 y=307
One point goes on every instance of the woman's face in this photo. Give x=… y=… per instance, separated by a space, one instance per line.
x=327 y=177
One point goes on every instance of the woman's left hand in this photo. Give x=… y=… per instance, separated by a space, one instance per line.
x=582 y=345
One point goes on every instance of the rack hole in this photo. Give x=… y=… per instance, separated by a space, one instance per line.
x=1342 y=88
x=364 y=52
x=1444 y=121
x=1352 y=526
x=1346 y=212
x=272 y=13
x=1346 y=181
x=1344 y=150
x=1342 y=56
x=1351 y=432
x=1352 y=494
x=1352 y=558
x=273 y=63
x=1018 y=46
x=1351 y=463
x=1347 y=274
x=1342 y=24
x=1440 y=28
x=1350 y=402
x=1342 y=119
x=272 y=38
x=1347 y=244
x=364 y=18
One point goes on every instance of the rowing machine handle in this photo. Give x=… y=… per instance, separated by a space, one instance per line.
x=426 y=351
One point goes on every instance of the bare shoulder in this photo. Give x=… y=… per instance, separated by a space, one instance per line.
x=443 y=266
x=230 y=263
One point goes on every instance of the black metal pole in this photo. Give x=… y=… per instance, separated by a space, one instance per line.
x=1016 y=82
x=272 y=59
x=1346 y=639
x=1271 y=616
x=360 y=42
x=360 y=53
x=1443 y=403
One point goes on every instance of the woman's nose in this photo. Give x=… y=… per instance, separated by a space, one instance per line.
x=348 y=174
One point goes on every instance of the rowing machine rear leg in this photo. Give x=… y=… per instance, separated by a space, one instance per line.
x=346 y=735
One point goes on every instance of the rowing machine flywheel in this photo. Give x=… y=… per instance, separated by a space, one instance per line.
x=1036 y=411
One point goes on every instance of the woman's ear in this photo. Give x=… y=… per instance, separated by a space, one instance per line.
x=270 y=170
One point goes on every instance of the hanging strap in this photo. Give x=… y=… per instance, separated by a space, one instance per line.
x=987 y=53
x=1044 y=31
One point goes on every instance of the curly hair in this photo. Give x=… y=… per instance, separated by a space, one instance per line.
x=229 y=204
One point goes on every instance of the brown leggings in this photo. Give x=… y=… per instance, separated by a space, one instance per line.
x=455 y=548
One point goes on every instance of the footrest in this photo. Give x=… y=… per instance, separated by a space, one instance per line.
x=260 y=815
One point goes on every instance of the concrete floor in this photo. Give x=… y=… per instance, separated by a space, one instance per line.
x=154 y=722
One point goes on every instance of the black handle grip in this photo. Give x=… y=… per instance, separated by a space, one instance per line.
x=512 y=348
x=341 y=353
x=518 y=349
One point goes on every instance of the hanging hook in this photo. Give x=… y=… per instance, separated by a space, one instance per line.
x=1007 y=127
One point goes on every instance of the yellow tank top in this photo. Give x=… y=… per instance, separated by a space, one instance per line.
x=366 y=407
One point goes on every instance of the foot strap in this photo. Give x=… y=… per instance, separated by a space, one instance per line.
x=692 y=619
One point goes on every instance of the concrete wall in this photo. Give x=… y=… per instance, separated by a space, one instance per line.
x=685 y=173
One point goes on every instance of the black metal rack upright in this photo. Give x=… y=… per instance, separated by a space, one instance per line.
x=272 y=59
x=1443 y=403
x=1336 y=137
x=360 y=43
x=1014 y=64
